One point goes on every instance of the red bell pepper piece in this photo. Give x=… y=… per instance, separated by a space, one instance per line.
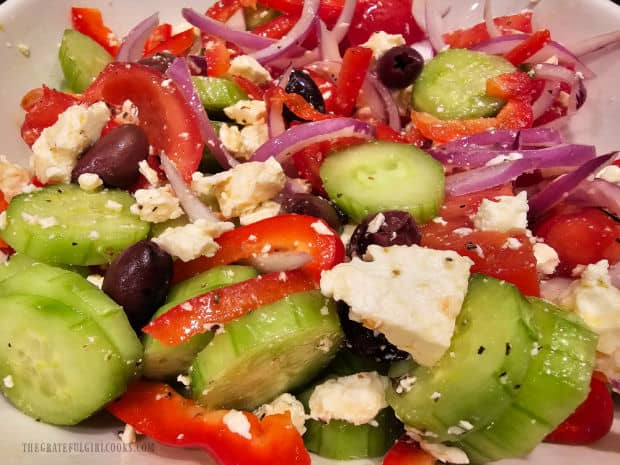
x=407 y=452
x=226 y=304
x=278 y=27
x=466 y=38
x=217 y=55
x=516 y=85
x=156 y=410
x=283 y=233
x=351 y=77
x=528 y=47
x=162 y=33
x=298 y=105
x=222 y=10
x=178 y=44
x=89 y=22
x=249 y=87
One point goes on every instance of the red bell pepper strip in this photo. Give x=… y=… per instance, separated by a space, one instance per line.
x=351 y=77
x=528 y=47
x=178 y=44
x=278 y=27
x=467 y=38
x=298 y=105
x=217 y=55
x=89 y=22
x=282 y=233
x=593 y=418
x=223 y=10
x=249 y=87
x=196 y=315
x=156 y=410
x=516 y=85
x=162 y=33
x=407 y=452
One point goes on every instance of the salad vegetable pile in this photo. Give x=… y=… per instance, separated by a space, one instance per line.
x=293 y=226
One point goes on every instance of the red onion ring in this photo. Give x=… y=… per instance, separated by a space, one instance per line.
x=237 y=21
x=179 y=73
x=560 y=74
x=492 y=29
x=343 y=23
x=433 y=21
x=393 y=116
x=425 y=49
x=328 y=45
x=298 y=137
x=487 y=176
x=597 y=193
x=595 y=43
x=195 y=209
x=507 y=139
x=552 y=289
x=132 y=45
x=549 y=94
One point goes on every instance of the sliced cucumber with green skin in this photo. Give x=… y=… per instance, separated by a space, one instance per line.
x=56 y=364
x=81 y=60
x=217 y=93
x=557 y=381
x=379 y=176
x=275 y=349
x=74 y=291
x=453 y=85
x=474 y=381
x=255 y=17
x=63 y=224
x=165 y=362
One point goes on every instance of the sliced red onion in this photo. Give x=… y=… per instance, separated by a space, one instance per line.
x=492 y=29
x=558 y=73
x=597 y=193
x=501 y=45
x=595 y=43
x=538 y=137
x=344 y=20
x=563 y=186
x=195 y=209
x=371 y=98
x=298 y=137
x=179 y=73
x=433 y=20
x=554 y=288
x=505 y=139
x=279 y=261
x=393 y=116
x=297 y=186
x=425 y=49
x=549 y=94
x=197 y=65
x=132 y=45
x=615 y=385
x=294 y=38
x=237 y=21
x=488 y=176
x=327 y=44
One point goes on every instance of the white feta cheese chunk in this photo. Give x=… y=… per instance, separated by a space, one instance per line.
x=375 y=224
x=242 y=143
x=547 y=258
x=56 y=151
x=380 y=42
x=503 y=214
x=247 y=111
x=157 y=204
x=128 y=113
x=415 y=307
x=238 y=423
x=249 y=68
x=357 y=398
x=282 y=404
x=96 y=280
x=13 y=178
x=610 y=174
x=128 y=436
x=149 y=173
x=265 y=210
x=346 y=234
x=184 y=380
x=192 y=240
x=89 y=181
x=242 y=188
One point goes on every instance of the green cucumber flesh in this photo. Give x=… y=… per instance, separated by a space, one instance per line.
x=217 y=93
x=379 y=176
x=63 y=224
x=81 y=60
x=74 y=291
x=258 y=16
x=56 y=364
x=474 y=381
x=453 y=85
x=166 y=362
x=274 y=349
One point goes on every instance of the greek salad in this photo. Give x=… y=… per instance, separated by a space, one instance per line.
x=287 y=227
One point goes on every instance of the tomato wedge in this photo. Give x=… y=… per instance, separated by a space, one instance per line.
x=165 y=115
x=196 y=315
x=279 y=233
x=89 y=22
x=407 y=452
x=156 y=410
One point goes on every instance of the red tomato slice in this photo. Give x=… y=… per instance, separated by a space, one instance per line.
x=278 y=27
x=223 y=10
x=156 y=410
x=89 y=22
x=351 y=77
x=162 y=33
x=165 y=115
x=407 y=452
x=466 y=38
x=580 y=237
x=593 y=418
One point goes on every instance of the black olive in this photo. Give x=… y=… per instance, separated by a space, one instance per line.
x=394 y=228
x=159 y=61
x=301 y=83
x=312 y=205
x=400 y=66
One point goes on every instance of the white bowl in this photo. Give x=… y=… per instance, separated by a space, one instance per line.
x=38 y=24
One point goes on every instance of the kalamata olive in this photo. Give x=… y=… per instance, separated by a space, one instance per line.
x=582 y=93
x=365 y=341
x=160 y=61
x=115 y=156
x=312 y=205
x=301 y=83
x=386 y=228
x=139 y=280
x=400 y=66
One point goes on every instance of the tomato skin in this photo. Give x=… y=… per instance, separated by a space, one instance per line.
x=407 y=452
x=591 y=421
x=156 y=410
x=580 y=237
x=165 y=115
x=89 y=22
x=162 y=33
x=278 y=27
x=466 y=38
x=178 y=44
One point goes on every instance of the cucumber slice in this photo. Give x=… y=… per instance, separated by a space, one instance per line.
x=379 y=176
x=63 y=224
x=217 y=93
x=453 y=84
x=74 y=291
x=274 y=349
x=557 y=381
x=81 y=60
x=258 y=16
x=57 y=365
x=474 y=381
x=165 y=362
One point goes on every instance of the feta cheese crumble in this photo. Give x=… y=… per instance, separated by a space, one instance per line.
x=610 y=174
x=192 y=240
x=89 y=182
x=13 y=178
x=356 y=398
x=247 y=112
x=242 y=143
x=238 y=423
x=380 y=42
x=149 y=173
x=415 y=307
x=265 y=210
x=249 y=68
x=282 y=404
x=156 y=205
x=547 y=258
x=503 y=214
